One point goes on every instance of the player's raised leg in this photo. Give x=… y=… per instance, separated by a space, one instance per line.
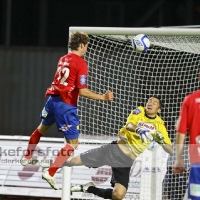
x=117 y=193
x=109 y=155
x=62 y=156
x=68 y=123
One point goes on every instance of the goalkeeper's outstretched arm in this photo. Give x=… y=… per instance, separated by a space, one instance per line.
x=145 y=134
x=131 y=127
x=168 y=148
x=159 y=138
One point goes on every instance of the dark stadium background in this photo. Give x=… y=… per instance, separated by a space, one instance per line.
x=42 y=26
x=46 y=22
x=34 y=34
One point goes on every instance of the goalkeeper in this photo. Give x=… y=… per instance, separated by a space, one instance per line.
x=142 y=127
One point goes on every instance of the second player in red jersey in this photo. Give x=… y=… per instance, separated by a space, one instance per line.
x=189 y=122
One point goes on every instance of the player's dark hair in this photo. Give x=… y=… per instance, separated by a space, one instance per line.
x=159 y=99
x=78 y=38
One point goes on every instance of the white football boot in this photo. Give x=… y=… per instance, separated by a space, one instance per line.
x=24 y=161
x=46 y=163
x=50 y=179
x=82 y=188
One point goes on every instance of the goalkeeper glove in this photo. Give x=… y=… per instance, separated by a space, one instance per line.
x=158 y=137
x=145 y=134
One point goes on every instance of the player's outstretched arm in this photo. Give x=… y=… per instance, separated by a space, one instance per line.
x=168 y=148
x=108 y=96
x=179 y=162
x=131 y=127
x=159 y=138
x=145 y=134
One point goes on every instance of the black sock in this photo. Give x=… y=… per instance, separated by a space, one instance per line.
x=105 y=193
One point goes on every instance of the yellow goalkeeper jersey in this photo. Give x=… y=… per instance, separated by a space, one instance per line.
x=138 y=118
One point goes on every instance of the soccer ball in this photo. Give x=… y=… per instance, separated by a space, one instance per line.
x=140 y=42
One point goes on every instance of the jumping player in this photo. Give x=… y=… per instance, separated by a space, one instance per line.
x=69 y=82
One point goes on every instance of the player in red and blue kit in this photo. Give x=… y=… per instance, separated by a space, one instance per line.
x=189 y=121
x=69 y=82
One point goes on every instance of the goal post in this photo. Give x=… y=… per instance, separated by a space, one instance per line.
x=169 y=69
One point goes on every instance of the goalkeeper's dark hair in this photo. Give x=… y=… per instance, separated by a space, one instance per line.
x=76 y=39
x=159 y=99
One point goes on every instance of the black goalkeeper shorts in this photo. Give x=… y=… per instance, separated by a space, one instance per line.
x=111 y=155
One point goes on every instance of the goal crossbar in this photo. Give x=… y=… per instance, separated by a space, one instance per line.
x=130 y=31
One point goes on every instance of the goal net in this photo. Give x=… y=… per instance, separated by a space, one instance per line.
x=169 y=69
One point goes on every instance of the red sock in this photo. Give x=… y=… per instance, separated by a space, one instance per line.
x=33 y=141
x=62 y=156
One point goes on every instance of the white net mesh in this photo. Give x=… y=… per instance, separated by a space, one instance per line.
x=169 y=69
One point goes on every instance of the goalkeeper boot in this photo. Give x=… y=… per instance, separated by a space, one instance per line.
x=82 y=188
x=24 y=161
x=50 y=179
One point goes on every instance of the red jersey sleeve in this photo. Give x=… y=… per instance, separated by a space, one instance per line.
x=82 y=76
x=182 y=123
